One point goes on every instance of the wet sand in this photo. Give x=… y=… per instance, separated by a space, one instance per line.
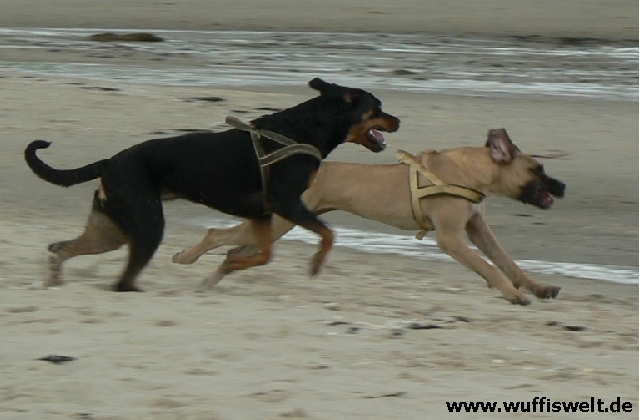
x=272 y=343
x=594 y=19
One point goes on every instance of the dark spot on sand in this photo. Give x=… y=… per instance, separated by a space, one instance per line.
x=55 y=359
x=390 y=395
x=335 y=323
x=421 y=326
x=575 y=328
x=204 y=99
x=102 y=89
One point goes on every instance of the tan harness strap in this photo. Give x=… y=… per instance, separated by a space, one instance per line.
x=415 y=200
x=291 y=148
x=285 y=152
x=264 y=169
x=438 y=187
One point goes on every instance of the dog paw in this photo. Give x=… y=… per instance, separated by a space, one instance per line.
x=205 y=286
x=543 y=291
x=126 y=287
x=522 y=302
x=52 y=283
x=210 y=282
x=183 y=258
x=316 y=264
x=518 y=299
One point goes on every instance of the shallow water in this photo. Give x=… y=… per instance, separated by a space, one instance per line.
x=409 y=62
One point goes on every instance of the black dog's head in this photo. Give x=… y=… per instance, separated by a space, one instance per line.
x=521 y=176
x=339 y=114
x=361 y=112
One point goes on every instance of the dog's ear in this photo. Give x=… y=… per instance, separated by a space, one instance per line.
x=502 y=148
x=350 y=96
x=319 y=84
x=331 y=90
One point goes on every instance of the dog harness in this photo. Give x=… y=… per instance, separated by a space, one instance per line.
x=437 y=187
x=290 y=148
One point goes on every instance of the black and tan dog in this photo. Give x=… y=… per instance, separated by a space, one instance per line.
x=219 y=170
x=384 y=193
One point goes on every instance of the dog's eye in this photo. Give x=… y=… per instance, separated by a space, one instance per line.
x=538 y=170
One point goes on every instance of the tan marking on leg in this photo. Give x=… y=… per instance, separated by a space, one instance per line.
x=326 y=243
x=262 y=234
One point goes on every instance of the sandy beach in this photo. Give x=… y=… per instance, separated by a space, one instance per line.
x=375 y=336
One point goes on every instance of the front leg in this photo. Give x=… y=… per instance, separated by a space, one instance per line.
x=223 y=269
x=453 y=244
x=481 y=235
x=449 y=219
x=261 y=229
x=293 y=210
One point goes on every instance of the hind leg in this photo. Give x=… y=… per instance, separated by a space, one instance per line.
x=140 y=253
x=239 y=261
x=100 y=235
x=144 y=227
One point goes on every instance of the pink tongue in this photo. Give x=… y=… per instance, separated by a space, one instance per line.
x=379 y=136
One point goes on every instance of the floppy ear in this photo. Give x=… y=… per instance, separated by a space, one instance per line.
x=319 y=84
x=350 y=96
x=331 y=90
x=502 y=148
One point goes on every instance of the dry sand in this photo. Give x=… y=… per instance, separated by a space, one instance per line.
x=271 y=343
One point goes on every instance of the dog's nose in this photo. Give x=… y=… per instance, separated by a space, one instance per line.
x=556 y=187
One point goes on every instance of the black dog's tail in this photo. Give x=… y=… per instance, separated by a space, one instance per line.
x=63 y=177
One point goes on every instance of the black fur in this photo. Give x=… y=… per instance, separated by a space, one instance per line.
x=220 y=170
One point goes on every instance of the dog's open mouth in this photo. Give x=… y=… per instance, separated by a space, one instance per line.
x=544 y=197
x=537 y=194
x=375 y=136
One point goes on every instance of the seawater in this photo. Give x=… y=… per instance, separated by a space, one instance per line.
x=408 y=62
